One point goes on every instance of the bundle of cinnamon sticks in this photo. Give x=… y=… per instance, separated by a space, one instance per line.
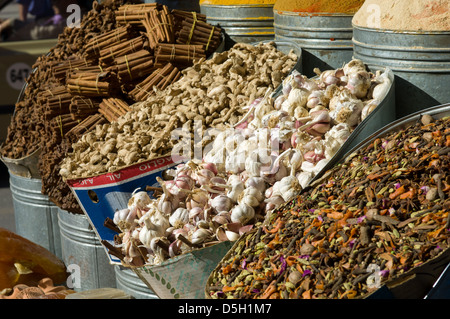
x=57 y=105
x=160 y=78
x=113 y=108
x=94 y=84
x=85 y=126
x=182 y=55
x=74 y=62
x=192 y=28
x=60 y=125
x=108 y=39
x=132 y=67
x=134 y=14
x=109 y=54
x=159 y=25
x=82 y=107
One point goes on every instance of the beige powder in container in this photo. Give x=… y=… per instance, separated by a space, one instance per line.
x=404 y=15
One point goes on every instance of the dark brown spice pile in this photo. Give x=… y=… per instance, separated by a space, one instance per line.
x=386 y=207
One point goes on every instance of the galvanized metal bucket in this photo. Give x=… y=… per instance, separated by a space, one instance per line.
x=36 y=217
x=420 y=60
x=242 y=23
x=83 y=254
x=128 y=281
x=325 y=38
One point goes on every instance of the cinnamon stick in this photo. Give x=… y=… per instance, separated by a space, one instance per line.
x=113 y=108
x=82 y=107
x=85 y=126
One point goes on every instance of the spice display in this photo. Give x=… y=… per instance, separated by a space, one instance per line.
x=22 y=261
x=321 y=6
x=213 y=92
x=100 y=68
x=400 y=15
x=247 y=172
x=385 y=207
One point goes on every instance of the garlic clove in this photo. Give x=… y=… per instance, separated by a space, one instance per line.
x=231 y=235
x=221 y=234
x=200 y=236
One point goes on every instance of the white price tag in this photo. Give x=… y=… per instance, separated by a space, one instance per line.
x=17 y=74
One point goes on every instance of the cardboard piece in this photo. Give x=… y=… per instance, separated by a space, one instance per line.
x=100 y=196
x=184 y=276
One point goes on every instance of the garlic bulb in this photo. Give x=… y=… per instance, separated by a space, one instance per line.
x=222 y=203
x=257 y=160
x=256 y=182
x=273 y=202
x=155 y=225
x=179 y=217
x=287 y=187
x=251 y=196
x=129 y=246
x=316 y=98
x=234 y=163
x=347 y=109
x=237 y=187
x=369 y=106
x=242 y=213
x=124 y=218
x=168 y=202
x=335 y=138
x=140 y=199
x=354 y=66
x=197 y=198
x=304 y=178
x=359 y=83
x=296 y=98
x=329 y=77
x=384 y=82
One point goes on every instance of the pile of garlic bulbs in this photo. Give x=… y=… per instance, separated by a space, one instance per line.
x=193 y=211
x=273 y=152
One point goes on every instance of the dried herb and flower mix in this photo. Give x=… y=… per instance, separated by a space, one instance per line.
x=386 y=207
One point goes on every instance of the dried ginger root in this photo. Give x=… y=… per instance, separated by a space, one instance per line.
x=214 y=91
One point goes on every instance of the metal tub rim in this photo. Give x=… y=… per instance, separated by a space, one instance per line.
x=441 y=32
x=237 y=6
x=313 y=14
x=375 y=46
x=83 y=234
x=33 y=196
x=318 y=32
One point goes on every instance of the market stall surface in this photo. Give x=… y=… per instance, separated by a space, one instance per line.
x=6 y=202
